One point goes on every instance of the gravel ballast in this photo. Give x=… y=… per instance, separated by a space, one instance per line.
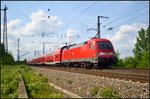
x=82 y=84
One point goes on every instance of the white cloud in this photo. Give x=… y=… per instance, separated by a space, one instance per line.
x=71 y=35
x=125 y=39
x=13 y=27
x=39 y=23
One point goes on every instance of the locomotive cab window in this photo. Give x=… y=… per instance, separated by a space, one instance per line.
x=91 y=46
x=104 y=45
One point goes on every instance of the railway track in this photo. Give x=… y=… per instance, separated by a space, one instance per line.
x=132 y=74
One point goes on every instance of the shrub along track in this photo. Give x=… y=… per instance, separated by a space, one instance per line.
x=133 y=74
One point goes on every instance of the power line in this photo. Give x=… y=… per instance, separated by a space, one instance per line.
x=130 y=19
x=18 y=13
x=78 y=15
x=50 y=8
x=128 y=7
x=136 y=11
x=69 y=14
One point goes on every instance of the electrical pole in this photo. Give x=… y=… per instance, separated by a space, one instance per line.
x=35 y=53
x=50 y=49
x=5 y=30
x=98 y=25
x=66 y=43
x=18 y=51
x=43 y=48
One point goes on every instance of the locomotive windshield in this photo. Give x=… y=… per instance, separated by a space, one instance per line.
x=104 y=45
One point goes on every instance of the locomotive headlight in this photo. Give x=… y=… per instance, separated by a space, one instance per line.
x=101 y=53
x=111 y=53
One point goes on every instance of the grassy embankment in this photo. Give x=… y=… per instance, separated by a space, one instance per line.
x=36 y=85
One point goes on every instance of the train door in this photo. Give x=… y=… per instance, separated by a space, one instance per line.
x=91 y=52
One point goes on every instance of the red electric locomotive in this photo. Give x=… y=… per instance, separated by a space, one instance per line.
x=94 y=52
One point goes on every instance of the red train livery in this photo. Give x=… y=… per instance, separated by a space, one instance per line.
x=94 y=52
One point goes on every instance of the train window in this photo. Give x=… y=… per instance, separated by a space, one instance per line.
x=91 y=46
x=85 y=42
x=104 y=45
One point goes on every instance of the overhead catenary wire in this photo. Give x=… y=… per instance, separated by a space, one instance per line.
x=50 y=8
x=131 y=19
x=123 y=10
x=136 y=11
x=78 y=15
x=70 y=22
x=128 y=8
x=70 y=13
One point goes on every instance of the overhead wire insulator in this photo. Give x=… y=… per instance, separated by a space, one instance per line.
x=111 y=28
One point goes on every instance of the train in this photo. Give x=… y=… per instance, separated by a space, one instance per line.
x=95 y=52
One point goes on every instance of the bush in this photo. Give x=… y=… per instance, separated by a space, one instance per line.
x=57 y=79
x=94 y=91
x=69 y=81
x=109 y=93
x=9 y=82
x=37 y=86
x=40 y=75
x=119 y=64
x=6 y=58
x=144 y=60
x=128 y=62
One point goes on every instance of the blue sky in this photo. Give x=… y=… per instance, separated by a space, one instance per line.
x=69 y=21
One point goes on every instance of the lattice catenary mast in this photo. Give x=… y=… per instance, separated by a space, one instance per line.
x=5 y=30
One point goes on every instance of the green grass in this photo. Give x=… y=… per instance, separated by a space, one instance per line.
x=57 y=79
x=94 y=91
x=36 y=85
x=109 y=93
x=69 y=81
x=9 y=81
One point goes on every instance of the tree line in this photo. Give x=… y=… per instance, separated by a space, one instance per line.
x=141 y=52
x=6 y=58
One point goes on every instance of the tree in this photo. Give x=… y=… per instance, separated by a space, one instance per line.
x=2 y=51
x=5 y=58
x=8 y=59
x=141 y=50
x=144 y=60
x=141 y=43
x=117 y=54
x=130 y=62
